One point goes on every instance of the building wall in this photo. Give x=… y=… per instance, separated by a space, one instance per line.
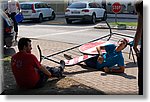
x=60 y=5
x=127 y=5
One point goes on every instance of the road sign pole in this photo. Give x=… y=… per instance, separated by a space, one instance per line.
x=116 y=8
x=115 y=17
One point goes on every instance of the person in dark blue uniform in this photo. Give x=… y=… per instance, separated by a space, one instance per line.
x=105 y=61
x=112 y=57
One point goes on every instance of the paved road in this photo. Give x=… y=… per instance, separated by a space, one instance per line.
x=73 y=33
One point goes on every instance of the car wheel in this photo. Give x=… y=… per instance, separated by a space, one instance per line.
x=40 y=18
x=104 y=16
x=68 y=21
x=53 y=16
x=93 y=20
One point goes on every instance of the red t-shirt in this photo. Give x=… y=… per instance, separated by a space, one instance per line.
x=24 y=67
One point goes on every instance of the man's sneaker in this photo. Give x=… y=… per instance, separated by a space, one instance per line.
x=56 y=72
x=62 y=65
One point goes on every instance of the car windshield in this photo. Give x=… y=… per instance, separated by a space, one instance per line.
x=78 y=5
x=26 y=6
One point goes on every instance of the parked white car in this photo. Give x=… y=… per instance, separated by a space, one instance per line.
x=37 y=11
x=89 y=11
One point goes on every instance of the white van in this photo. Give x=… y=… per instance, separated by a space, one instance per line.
x=37 y=11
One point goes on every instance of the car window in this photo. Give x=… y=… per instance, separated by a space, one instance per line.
x=98 y=6
x=37 y=6
x=42 y=5
x=26 y=6
x=93 y=5
x=45 y=5
x=78 y=5
x=48 y=5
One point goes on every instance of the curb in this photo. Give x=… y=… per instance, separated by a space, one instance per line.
x=108 y=16
x=102 y=26
x=122 y=16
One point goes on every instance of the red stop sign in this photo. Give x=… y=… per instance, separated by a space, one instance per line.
x=116 y=7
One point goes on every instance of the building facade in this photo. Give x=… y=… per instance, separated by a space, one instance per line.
x=60 y=5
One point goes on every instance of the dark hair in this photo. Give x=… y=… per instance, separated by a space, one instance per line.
x=139 y=7
x=23 y=42
x=125 y=41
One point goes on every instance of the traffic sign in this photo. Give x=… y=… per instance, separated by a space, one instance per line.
x=116 y=7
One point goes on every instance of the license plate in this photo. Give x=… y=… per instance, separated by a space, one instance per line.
x=24 y=11
x=75 y=12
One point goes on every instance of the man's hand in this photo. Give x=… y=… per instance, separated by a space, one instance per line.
x=45 y=71
x=100 y=59
x=106 y=69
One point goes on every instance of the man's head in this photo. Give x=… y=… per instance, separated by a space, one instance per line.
x=24 y=44
x=122 y=43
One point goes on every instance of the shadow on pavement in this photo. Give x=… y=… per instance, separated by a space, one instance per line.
x=120 y=74
x=131 y=65
x=86 y=70
x=64 y=86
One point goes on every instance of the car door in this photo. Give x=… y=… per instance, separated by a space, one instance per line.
x=43 y=9
x=98 y=10
x=101 y=11
x=48 y=10
x=94 y=8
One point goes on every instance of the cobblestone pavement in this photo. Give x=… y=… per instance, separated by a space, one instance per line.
x=88 y=78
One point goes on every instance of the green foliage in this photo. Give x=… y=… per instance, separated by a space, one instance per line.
x=124 y=23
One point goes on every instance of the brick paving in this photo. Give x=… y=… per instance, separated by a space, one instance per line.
x=109 y=83
x=118 y=84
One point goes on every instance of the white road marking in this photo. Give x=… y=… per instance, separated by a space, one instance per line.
x=60 y=26
x=60 y=33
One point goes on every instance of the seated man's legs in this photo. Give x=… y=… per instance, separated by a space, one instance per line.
x=43 y=79
x=92 y=62
x=55 y=71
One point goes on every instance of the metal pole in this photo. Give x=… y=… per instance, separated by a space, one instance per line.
x=77 y=46
x=115 y=17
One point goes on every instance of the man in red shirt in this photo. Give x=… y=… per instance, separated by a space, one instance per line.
x=28 y=71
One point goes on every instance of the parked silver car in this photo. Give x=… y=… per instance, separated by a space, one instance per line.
x=89 y=11
x=37 y=11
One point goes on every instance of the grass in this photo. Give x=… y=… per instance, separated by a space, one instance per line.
x=7 y=58
x=126 y=23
